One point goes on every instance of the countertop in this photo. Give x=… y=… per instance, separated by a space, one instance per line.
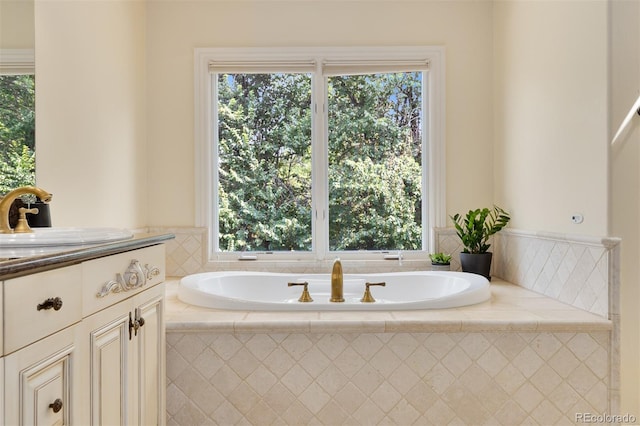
x=73 y=254
x=511 y=308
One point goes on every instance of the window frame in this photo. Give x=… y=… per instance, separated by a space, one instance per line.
x=17 y=61
x=205 y=135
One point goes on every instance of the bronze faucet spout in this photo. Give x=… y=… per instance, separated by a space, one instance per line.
x=7 y=200
x=336 y=282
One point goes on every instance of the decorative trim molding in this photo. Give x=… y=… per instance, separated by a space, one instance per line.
x=136 y=276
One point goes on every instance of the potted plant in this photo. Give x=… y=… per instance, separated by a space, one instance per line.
x=474 y=229
x=440 y=261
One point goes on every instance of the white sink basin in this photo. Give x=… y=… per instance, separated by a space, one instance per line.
x=49 y=237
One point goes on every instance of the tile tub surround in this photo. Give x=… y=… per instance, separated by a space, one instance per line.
x=520 y=357
x=578 y=270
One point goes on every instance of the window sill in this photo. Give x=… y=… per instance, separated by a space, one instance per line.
x=320 y=266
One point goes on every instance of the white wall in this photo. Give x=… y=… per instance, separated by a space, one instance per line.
x=551 y=114
x=90 y=111
x=557 y=95
x=16 y=24
x=174 y=29
x=625 y=186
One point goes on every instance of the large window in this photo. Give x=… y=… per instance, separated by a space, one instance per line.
x=309 y=153
x=17 y=119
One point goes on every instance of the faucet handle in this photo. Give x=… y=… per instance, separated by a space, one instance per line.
x=22 y=227
x=368 y=298
x=305 y=296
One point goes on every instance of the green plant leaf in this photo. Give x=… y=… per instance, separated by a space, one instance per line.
x=475 y=228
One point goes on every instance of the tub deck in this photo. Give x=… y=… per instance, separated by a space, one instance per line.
x=519 y=358
x=511 y=308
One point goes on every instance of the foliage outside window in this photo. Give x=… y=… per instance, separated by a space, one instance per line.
x=264 y=162
x=375 y=161
x=17 y=131
x=375 y=150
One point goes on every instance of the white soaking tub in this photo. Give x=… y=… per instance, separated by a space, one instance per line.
x=264 y=291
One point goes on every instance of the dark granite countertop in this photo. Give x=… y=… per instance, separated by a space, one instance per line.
x=70 y=255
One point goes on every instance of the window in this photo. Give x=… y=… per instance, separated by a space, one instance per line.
x=17 y=119
x=309 y=153
x=375 y=155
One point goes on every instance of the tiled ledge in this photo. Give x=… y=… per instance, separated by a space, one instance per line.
x=511 y=308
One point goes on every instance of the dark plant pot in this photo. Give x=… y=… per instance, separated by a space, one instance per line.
x=477 y=263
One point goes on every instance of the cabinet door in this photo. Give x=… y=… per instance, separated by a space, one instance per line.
x=39 y=381
x=150 y=357
x=109 y=366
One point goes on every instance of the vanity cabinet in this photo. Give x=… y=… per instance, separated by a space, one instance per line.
x=123 y=324
x=84 y=344
x=41 y=313
x=126 y=362
x=41 y=381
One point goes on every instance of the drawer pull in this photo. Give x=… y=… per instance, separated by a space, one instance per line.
x=56 y=406
x=55 y=303
x=136 y=276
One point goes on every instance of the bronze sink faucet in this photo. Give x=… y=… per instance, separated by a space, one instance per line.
x=7 y=200
x=336 y=282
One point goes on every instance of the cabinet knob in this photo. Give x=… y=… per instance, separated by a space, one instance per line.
x=56 y=406
x=135 y=323
x=55 y=303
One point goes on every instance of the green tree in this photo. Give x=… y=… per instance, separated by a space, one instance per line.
x=375 y=162
x=17 y=131
x=265 y=161
x=375 y=175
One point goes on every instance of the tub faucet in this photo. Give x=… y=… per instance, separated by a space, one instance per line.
x=336 y=282
x=7 y=200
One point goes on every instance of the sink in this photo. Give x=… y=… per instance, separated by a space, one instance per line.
x=49 y=237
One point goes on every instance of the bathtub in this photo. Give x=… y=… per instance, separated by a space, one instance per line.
x=263 y=291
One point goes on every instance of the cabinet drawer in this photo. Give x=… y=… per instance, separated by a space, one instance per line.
x=41 y=381
x=38 y=305
x=111 y=279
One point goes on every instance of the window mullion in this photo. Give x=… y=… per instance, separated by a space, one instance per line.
x=320 y=195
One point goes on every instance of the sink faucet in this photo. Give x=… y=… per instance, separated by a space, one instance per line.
x=7 y=200
x=336 y=282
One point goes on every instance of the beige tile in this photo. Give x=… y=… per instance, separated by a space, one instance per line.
x=284 y=326
x=314 y=398
x=262 y=414
x=528 y=397
x=369 y=414
x=333 y=414
x=520 y=358
x=346 y=326
x=422 y=326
